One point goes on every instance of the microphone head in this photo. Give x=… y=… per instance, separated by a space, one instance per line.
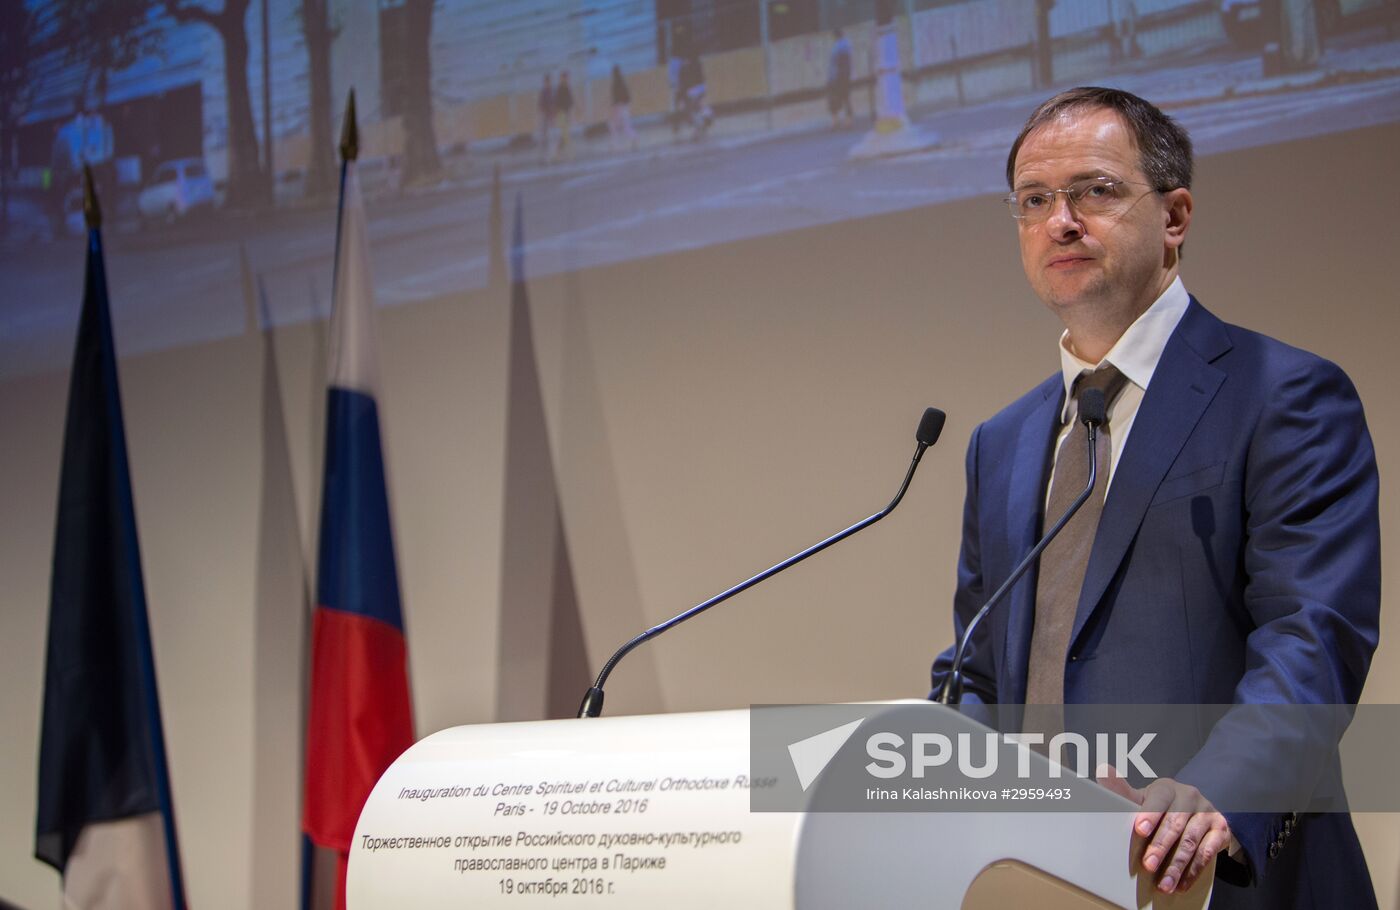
x=930 y=426
x=1093 y=411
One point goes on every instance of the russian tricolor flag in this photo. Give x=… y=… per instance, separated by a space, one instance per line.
x=361 y=715
x=105 y=818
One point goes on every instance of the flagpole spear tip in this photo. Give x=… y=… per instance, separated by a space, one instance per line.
x=92 y=212
x=350 y=133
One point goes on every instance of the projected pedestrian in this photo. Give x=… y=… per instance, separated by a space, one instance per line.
x=620 y=117
x=563 y=116
x=838 y=81
x=545 y=104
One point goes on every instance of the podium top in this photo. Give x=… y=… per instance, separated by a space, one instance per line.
x=677 y=810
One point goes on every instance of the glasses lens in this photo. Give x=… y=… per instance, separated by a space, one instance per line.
x=1096 y=195
x=1031 y=205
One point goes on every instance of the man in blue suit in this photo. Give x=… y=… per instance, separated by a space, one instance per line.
x=1230 y=553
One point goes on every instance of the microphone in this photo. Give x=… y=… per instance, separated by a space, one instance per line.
x=1093 y=411
x=930 y=426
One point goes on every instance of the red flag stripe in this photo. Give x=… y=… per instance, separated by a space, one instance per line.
x=360 y=719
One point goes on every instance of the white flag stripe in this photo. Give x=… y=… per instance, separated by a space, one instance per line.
x=352 y=357
x=119 y=865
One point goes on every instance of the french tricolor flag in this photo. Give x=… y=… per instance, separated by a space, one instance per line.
x=106 y=819
x=360 y=716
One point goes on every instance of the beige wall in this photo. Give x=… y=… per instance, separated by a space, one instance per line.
x=709 y=412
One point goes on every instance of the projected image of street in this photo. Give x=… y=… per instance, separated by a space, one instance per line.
x=626 y=129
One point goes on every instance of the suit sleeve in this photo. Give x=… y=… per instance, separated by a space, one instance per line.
x=979 y=677
x=1311 y=558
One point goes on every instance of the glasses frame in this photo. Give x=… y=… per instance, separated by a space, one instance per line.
x=1013 y=204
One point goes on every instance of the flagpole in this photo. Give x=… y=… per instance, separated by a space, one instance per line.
x=92 y=211
x=359 y=716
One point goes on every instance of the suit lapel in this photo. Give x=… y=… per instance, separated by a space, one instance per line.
x=1025 y=505
x=1182 y=386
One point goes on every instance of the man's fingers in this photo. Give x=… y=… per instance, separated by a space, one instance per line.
x=1217 y=839
x=1193 y=834
x=1175 y=812
x=1168 y=833
x=1146 y=823
x=1155 y=801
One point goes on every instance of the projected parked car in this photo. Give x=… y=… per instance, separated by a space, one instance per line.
x=1243 y=21
x=1250 y=23
x=176 y=189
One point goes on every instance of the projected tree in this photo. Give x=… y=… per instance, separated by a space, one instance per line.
x=248 y=184
x=16 y=52
x=319 y=34
x=421 y=162
x=102 y=36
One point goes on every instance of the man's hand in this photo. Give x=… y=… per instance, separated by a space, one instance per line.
x=1181 y=823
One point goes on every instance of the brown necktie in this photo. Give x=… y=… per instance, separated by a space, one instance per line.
x=1063 y=563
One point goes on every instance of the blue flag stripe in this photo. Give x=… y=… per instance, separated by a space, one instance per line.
x=356 y=572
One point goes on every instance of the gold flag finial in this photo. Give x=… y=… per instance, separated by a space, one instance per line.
x=92 y=212
x=350 y=133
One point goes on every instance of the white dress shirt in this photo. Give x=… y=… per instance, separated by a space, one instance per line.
x=1136 y=355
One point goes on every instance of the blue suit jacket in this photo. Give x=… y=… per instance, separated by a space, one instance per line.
x=1237 y=561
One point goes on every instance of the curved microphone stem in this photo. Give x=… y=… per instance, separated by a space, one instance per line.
x=951 y=693
x=593 y=700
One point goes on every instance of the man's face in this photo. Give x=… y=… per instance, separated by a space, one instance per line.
x=1105 y=268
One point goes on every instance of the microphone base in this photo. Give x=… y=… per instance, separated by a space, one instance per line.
x=951 y=693
x=592 y=705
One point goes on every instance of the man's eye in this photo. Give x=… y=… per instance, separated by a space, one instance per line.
x=1034 y=200
x=1095 y=191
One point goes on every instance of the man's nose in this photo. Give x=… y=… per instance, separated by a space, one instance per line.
x=1063 y=221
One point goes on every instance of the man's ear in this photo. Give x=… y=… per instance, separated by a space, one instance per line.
x=1178 y=216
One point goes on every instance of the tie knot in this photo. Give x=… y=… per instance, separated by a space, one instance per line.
x=1106 y=379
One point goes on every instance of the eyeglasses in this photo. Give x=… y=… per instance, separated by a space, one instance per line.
x=1091 y=196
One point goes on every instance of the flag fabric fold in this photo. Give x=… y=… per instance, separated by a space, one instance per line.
x=360 y=716
x=105 y=818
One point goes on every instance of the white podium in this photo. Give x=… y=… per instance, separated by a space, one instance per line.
x=654 y=811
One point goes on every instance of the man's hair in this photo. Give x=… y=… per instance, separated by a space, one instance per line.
x=1163 y=145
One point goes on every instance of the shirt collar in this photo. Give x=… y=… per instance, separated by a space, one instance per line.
x=1138 y=351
